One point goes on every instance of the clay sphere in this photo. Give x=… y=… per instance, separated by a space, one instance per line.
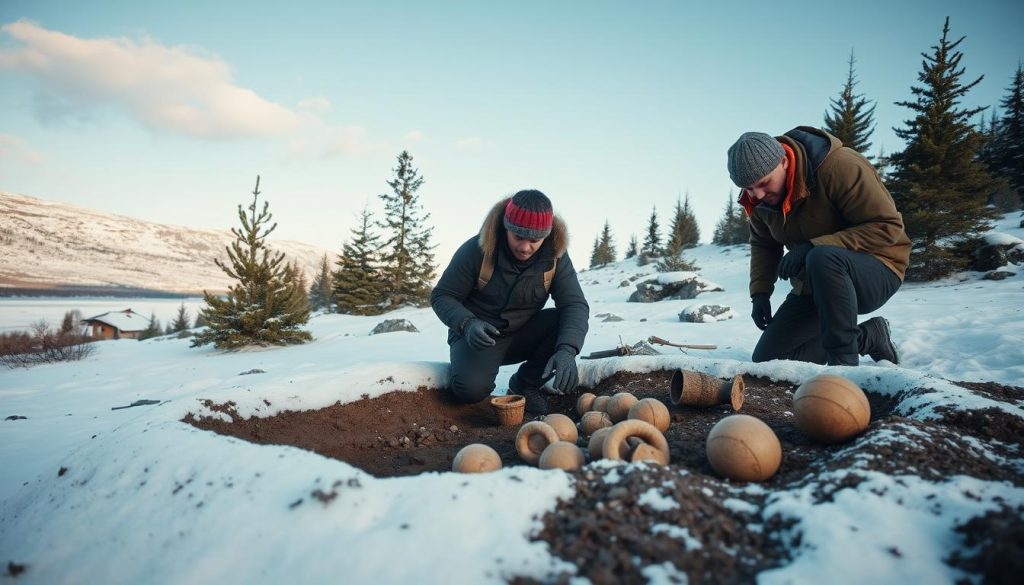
x=743 y=448
x=563 y=425
x=653 y=411
x=645 y=452
x=532 y=439
x=562 y=455
x=592 y=421
x=596 y=443
x=831 y=409
x=476 y=458
x=600 y=403
x=619 y=405
x=585 y=403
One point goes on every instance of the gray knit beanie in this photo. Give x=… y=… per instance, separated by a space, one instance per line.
x=754 y=155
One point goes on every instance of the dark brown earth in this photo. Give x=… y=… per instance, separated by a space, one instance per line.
x=611 y=538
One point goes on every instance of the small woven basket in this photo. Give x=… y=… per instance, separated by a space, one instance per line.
x=509 y=410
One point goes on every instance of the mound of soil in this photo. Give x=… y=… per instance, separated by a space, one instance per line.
x=716 y=534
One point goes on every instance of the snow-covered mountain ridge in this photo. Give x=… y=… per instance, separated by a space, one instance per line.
x=49 y=245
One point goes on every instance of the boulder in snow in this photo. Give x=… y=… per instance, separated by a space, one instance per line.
x=672 y=285
x=706 y=313
x=390 y=325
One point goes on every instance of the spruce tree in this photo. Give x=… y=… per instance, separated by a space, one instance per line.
x=652 y=241
x=297 y=307
x=181 y=321
x=357 y=284
x=1008 y=151
x=732 y=228
x=690 y=231
x=938 y=183
x=604 y=248
x=151 y=330
x=260 y=308
x=851 y=121
x=321 y=294
x=675 y=238
x=634 y=247
x=408 y=258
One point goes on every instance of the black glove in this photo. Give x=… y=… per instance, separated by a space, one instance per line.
x=479 y=334
x=762 y=312
x=793 y=262
x=563 y=365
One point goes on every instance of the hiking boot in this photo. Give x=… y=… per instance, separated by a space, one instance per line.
x=878 y=340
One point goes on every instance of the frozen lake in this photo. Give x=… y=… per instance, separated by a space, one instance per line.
x=19 y=313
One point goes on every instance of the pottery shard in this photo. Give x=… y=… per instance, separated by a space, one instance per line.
x=391 y=325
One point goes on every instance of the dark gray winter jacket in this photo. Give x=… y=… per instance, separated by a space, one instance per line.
x=514 y=293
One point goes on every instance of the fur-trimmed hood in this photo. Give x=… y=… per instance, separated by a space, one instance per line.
x=493 y=226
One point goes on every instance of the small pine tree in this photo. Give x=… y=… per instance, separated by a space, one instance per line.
x=357 y=283
x=851 y=121
x=296 y=309
x=733 y=228
x=180 y=322
x=407 y=262
x=260 y=308
x=652 y=241
x=151 y=330
x=634 y=248
x=72 y=322
x=938 y=183
x=321 y=294
x=604 y=248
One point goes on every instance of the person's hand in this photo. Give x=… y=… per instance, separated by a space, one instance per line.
x=762 y=312
x=793 y=262
x=479 y=334
x=563 y=365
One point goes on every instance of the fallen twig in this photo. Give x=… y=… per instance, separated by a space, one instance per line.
x=660 y=341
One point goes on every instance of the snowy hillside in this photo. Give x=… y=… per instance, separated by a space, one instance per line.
x=93 y=494
x=47 y=244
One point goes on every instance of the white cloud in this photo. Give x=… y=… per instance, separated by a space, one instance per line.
x=315 y=105
x=16 y=149
x=319 y=142
x=472 y=143
x=166 y=88
x=412 y=136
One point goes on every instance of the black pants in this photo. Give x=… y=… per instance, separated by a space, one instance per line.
x=473 y=370
x=822 y=327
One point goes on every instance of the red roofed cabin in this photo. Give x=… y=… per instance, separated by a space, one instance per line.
x=117 y=325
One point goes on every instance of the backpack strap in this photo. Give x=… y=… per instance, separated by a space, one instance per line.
x=550 y=275
x=486 y=270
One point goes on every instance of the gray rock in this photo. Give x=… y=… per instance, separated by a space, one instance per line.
x=651 y=291
x=391 y=325
x=611 y=319
x=998 y=275
x=992 y=256
x=704 y=313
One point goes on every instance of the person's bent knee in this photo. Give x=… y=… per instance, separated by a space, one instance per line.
x=822 y=257
x=469 y=390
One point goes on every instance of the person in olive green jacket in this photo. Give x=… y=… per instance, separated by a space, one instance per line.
x=847 y=247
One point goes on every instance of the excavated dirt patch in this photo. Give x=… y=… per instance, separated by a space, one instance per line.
x=619 y=522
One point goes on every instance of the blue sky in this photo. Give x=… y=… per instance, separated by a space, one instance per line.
x=167 y=111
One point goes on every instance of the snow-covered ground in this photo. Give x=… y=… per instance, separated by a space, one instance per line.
x=94 y=495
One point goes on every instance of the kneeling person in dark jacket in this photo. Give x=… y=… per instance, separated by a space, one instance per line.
x=492 y=298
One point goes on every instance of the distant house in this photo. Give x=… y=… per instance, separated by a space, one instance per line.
x=117 y=324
